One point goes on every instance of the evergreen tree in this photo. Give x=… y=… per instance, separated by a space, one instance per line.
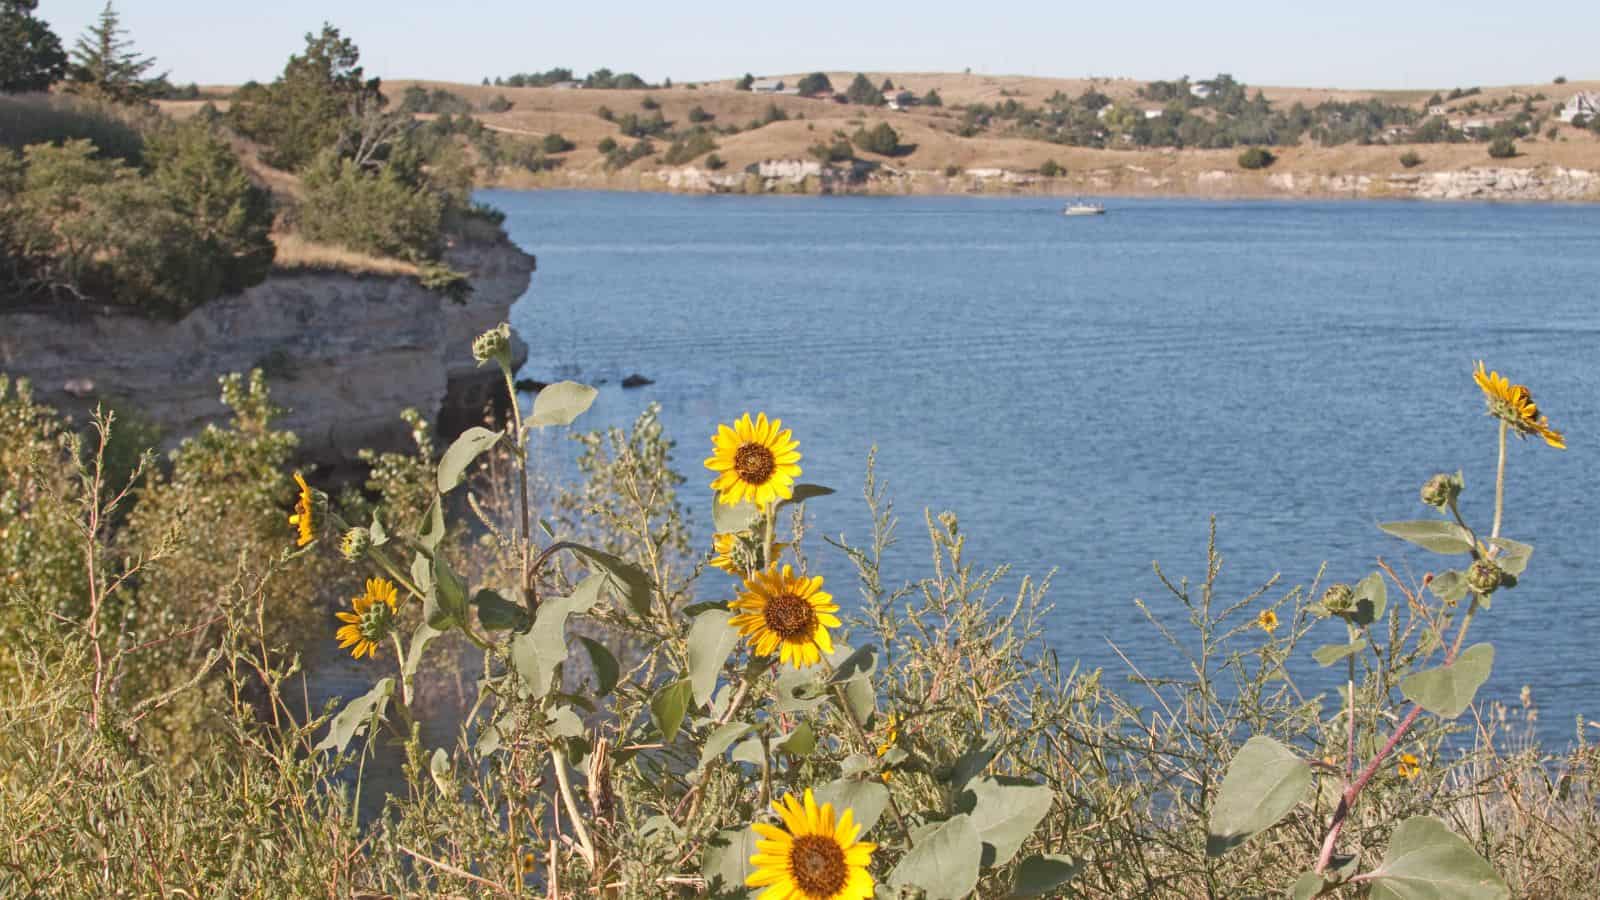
x=103 y=62
x=31 y=58
x=863 y=92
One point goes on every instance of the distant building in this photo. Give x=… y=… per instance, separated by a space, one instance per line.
x=898 y=99
x=1582 y=104
x=1201 y=90
x=1154 y=113
x=567 y=85
x=1438 y=109
x=767 y=86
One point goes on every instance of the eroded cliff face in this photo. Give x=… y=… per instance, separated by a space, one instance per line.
x=344 y=353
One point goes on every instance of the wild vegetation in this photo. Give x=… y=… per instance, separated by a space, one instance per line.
x=645 y=718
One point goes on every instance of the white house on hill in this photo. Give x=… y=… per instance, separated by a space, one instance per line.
x=767 y=86
x=1586 y=105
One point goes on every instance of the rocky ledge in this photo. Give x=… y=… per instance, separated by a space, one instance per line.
x=344 y=353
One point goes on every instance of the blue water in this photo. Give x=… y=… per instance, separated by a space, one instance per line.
x=1084 y=393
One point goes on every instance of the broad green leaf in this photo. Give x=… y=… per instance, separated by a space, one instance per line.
x=560 y=403
x=711 y=639
x=606 y=668
x=564 y=721
x=376 y=532
x=731 y=518
x=489 y=737
x=727 y=862
x=627 y=580
x=1041 y=875
x=431 y=531
x=1308 y=886
x=1450 y=586
x=1425 y=861
x=800 y=742
x=798 y=690
x=1328 y=654
x=1311 y=884
x=860 y=664
x=944 y=863
x=1265 y=780
x=972 y=763
x=668 y=706
x=804 y=492
x=439 y=769
x=1372 y=598
x=419 y=641
x=866 y=800
x=1005 y=812
x=861 y=699
x=496 y=613
x=1431 y=534
x=446 y=605
x=721 y=739
x=422 y=573
x=748 y=752
x=536 y=653
x=1447 y=691
x=462 y=453
x=1513 y=556
x=356 y=715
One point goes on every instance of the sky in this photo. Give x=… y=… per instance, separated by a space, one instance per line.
x=1344 y=43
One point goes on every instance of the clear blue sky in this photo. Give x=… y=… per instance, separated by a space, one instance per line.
x=1342 y=43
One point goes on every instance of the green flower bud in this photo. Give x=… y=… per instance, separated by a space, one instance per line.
x=355 y=544
x=1339 y=600
x=1440 y=491
x=1484 y=577
x=493 y=345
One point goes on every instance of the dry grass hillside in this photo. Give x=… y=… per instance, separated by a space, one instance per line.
x=933 y=144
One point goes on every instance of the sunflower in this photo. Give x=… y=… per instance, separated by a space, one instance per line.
x=816 y=858
x=1267 y=621
x=302 y=511
x=1409 y=766
x=371 y=619
x=892 y=729
x=730 y=550
x=1513 y=404
x=754 y=461
x=780 y=612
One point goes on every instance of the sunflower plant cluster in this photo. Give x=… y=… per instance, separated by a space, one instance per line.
x=742 y=741
x=1439 y=677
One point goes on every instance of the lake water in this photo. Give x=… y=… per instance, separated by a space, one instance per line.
x=1085 y=392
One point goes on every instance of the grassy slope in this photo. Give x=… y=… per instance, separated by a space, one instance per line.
x=539 y=111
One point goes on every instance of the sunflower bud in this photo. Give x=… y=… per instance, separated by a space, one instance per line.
x=493 y=345
x=355 y=544
x=1441 y=490
x=1339 y=600
x=1484 y=577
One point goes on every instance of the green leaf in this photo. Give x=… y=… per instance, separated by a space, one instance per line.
x=439 y=769
x=419 y=640
x=376 y=532
x=727 y=862
x=1372 y=598
x=496 y=613
x=606 y=668
x=356 y=715
x=1311 y=884
x=865 y=799
x=462 y=453
x=1450 y=586
x=798 y=690
x=431 y=531
x=721 y=739
x=1005 y=812
x=668 y=706
x=1447 y=691
x=711 y=639
x=730 y=518
x=446 y=605
x=1431 y=534
x=1513 y=556
x=1426 y=861
x=1040 y=875
x=972 y=763
x=861 y=699
x=860 y=664
x=536 y=654
x=944 y=863
x=804 y=492
x=749 y=752
x=1328 y=654
x=560 y=403
x=1265 y=780
x=800 y=742
x=626 y=580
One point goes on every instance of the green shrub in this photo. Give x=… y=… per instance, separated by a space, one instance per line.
x=376 y=213
x=321 y=100
x=105 y=65
x=837 y=151
x=932 y=98
x=715 y=163
x=555 y=143
x=862 y=91
x=815 y=83
x=498 y=104
x=418 y=99
x=685 y=148
x=441 y=279
x=606 y=144
x=229 y=217
x=744 y=83
x=31 y=58
x=881 y=139
x=1502 y=148
x=621 y=157
x=1561 y=79
x=951 y=171
x=54 y=118
x=1050 y=169
x=1410 y=159
x=649 y=104
x=1256 y=158
x=698 y=115
x=637 y=126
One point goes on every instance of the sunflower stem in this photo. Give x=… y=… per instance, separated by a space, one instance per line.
x=559 y=760
x=1499 y=484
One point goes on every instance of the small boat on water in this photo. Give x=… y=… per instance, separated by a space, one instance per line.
x=1084 y=208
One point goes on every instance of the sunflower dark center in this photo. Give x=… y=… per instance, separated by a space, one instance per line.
x=818 y=866
x=791 y=617
x=754 y=463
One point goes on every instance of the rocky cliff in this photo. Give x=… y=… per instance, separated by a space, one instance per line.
x=344 y=353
